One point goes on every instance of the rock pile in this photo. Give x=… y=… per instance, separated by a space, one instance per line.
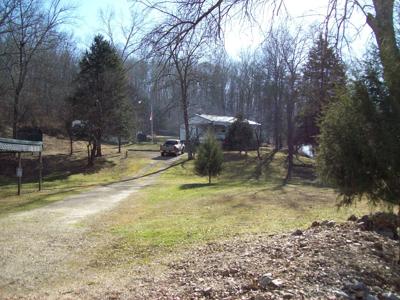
x=386 y=224
x=326 y=261
x=349 y=261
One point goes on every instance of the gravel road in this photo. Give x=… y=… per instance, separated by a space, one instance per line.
x=44 y=246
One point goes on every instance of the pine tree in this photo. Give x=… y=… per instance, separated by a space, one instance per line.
x=100 y=96
x=359 y=144
x=209 y=158
x=323 y=75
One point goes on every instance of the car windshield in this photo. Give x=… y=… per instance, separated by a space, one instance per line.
x=169 y=143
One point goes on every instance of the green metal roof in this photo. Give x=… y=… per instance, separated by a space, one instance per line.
x=12 y=145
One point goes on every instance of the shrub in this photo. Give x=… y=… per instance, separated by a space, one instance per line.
x=359 y=147
x=240 y=135
x=209 y=158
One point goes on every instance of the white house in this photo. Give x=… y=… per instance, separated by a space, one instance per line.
x=199 y=124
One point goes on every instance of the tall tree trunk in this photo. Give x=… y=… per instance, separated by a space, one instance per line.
x=93 y=153
x=383 y=28
x=88 y=153
x=71 y=144
x=68 y=128
x=22 y=66
x=258 y=141
x=290 y=128
x=186 y=121
x=277 y=112
x=16 y=114
x=98 y=145
x=276 y=125
x=98 y=149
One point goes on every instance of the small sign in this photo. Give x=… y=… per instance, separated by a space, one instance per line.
x=19 y=172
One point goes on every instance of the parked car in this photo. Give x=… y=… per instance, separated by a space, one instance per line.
x=175 y=147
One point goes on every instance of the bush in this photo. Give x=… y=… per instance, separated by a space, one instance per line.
x=209 y=158
x=240 y=136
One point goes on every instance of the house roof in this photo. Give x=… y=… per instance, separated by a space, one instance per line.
x=12 y=145
x=223 y=119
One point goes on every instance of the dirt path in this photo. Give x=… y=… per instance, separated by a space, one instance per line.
x=41 y=247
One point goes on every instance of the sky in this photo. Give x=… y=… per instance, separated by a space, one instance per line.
x=87 y=22
x=238 y=36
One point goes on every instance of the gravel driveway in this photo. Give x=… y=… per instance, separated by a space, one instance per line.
x=42 y=247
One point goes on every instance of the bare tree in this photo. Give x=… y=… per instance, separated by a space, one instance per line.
x=128 y=35
x=379 y=15
x=31 y=28
x=183 y=17
x=210 y=16
x=7 y=8
x=293 y=51
x=209 y=94
x=275 y=72
x=184 y=56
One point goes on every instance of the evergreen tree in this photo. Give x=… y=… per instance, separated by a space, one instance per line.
x=360 y=142
x=100 y=97
x=240 y=135
x=209 y=158
x=323 y=74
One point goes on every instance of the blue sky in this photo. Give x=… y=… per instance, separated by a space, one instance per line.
x=87 y=22
x=237 y=36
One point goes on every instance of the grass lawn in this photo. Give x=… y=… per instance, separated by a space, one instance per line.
x=183 y=209
x=65 y=175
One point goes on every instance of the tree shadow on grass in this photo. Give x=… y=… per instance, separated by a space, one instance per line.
x=264 y=164
x=237 y=166
x=190 y=186
x=57 y=190
x=304 y=171
x=233 y=156
x=123 y=180
x=55 y=167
